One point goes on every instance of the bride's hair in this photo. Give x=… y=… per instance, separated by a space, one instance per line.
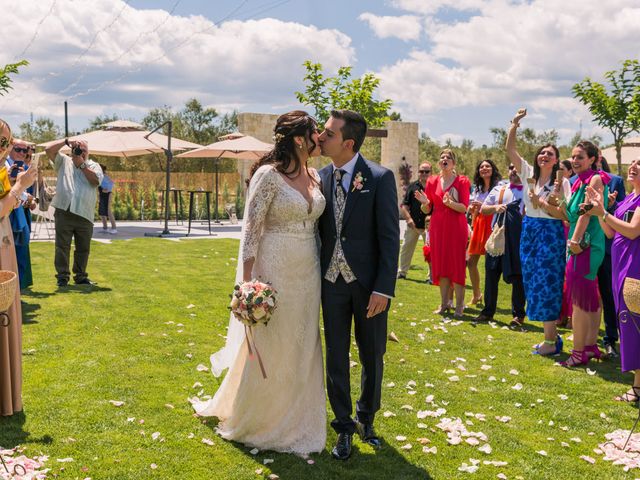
x=284 y=154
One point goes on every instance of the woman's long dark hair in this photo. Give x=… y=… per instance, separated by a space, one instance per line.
x=556 y=167
x=591 y=150
x=478 y=181
x=284 y=154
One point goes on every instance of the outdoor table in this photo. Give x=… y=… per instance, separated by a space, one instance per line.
x=207 y=194
x=177 y=200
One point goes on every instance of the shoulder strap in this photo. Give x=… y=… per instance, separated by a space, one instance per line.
x=501 y=194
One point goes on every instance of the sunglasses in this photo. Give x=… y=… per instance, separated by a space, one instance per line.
x=424 y=171
x=20 y=149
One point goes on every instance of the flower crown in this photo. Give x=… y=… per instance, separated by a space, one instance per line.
x=278 y=137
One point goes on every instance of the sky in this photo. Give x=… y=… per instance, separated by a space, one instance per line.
x=458 y=68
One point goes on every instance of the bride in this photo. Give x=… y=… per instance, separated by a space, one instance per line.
x=285 y=412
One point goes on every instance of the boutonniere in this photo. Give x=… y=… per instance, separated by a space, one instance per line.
x=358 y=182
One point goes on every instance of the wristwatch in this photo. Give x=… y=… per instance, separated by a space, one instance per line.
x=83 y=165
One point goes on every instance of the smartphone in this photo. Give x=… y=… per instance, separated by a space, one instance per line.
x=15 y=169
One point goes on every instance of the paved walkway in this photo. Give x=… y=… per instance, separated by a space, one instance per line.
x=129 y=230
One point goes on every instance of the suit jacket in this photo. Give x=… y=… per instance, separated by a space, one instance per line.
x=370 y=228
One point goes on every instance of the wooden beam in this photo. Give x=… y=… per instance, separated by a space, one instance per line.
x=377 y=133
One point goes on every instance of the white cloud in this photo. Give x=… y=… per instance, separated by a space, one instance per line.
x=514 y=53
x=103 y=54
x=404 y=27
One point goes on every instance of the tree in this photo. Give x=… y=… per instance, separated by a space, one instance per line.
x=616 y=108
x=5 y=79
x=342 y=92
x=43 y=129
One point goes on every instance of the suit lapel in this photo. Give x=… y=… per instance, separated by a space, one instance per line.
x=326 y=174
x=354 y=195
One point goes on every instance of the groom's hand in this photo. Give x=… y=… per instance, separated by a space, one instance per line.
x=377 y=304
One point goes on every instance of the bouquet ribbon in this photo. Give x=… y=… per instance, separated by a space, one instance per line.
x=250 y=340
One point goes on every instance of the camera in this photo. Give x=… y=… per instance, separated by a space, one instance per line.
x=77 y=151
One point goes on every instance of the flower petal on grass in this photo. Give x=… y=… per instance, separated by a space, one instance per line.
x=588 y=459
x=542 y=452
x=207 y=441
x=116 y=403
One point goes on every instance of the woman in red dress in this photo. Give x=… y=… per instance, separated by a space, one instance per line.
x=446 y=196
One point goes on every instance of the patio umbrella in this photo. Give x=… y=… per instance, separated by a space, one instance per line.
x=123 y=138
x=235 y=145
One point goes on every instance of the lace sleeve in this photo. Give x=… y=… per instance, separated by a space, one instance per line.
x=261 y=192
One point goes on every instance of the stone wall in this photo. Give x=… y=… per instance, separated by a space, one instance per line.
x=258 y=125
x=400 y=145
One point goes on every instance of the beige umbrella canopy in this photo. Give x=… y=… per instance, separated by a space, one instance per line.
x=235 y=145
x=123 y=138
x=630 y=151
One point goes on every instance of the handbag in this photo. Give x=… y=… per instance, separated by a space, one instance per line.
x=631 y=294
x=494 y=245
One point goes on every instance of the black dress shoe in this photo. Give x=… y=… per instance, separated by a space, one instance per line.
x=368 y=434
x=482 y=318
x=342 y=450
x=62 y=282
x=610 y=351
x=85 y=281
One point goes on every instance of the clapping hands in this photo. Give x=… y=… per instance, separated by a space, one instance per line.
x=422 y=198
x=593 y=204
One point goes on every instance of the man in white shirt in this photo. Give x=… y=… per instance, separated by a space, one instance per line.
x=75 y=202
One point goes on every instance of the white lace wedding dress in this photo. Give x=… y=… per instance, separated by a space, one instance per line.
x=285 y=412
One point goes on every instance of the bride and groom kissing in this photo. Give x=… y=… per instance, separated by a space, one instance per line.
x=350 y=208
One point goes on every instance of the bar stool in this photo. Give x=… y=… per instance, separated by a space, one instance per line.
x=207 y=194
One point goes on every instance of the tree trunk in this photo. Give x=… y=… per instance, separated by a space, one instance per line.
x=618 y=142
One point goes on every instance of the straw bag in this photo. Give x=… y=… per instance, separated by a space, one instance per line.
x=8 y=285
x=631 y=294
x=495 y=243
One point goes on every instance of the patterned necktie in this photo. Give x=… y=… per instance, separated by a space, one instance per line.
x=340 y=193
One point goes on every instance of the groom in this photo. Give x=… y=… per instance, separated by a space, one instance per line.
x=360 y=236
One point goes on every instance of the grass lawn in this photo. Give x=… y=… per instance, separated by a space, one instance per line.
x=160 y=311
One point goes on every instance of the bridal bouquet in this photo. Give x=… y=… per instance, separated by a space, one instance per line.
x=253 y=302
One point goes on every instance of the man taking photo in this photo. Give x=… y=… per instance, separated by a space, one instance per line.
x=75 y=201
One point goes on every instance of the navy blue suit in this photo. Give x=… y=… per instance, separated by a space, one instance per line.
x=370 y=240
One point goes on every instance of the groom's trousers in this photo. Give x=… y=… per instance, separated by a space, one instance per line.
x=342 y=302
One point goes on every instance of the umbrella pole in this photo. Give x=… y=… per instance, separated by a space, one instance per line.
x=169 y=154
x=216 y=220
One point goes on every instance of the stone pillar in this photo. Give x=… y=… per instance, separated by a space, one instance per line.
x=400 y=145
x=258 y=125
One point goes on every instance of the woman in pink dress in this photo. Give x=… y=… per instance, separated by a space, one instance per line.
x=446 y=197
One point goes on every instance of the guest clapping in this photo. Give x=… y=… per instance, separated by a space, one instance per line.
x=505 y=205
x=586 y=252
x=485 y=179
x=624 y=227
x=542 y=245
x=446 y=197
